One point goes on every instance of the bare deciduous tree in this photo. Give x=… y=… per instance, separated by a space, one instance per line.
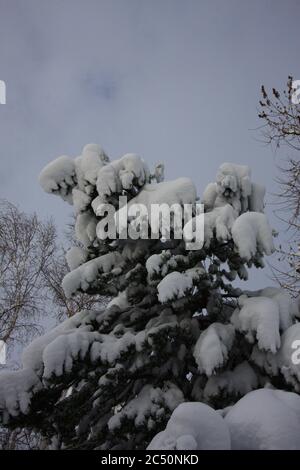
x=53 y=273
x=281 y=126
x=27 y=246
x=32 y=266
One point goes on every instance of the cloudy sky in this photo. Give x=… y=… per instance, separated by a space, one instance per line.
x=172 y=80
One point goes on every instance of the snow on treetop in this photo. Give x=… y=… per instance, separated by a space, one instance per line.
x=59 y=176
x=175 y=330
x=122 y=174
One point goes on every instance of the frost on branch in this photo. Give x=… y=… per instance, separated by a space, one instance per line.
x=175 y=330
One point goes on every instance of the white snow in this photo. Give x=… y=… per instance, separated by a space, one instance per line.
x=174 y=286
x=209 y=196
x=59 y=355
x=32 y=357
x=59 y=177
x=212 y=347
x=148 y=405
x=93 y=159
x=16 y=389
x=265 y=419
x=80 y=201
x=76 y=256
x=193 y=426
x=154 y=264
x=233 y=186
x=120 y=301
x=168 y=194
x=85 y=228
x=288 y=308
x=219 y=222
x=122 y=174
x=108 y=348
x=258 y=317
x=251 y=233
x=82 y=277
x=160 y=264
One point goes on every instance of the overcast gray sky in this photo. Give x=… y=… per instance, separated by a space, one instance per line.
x=172 y=80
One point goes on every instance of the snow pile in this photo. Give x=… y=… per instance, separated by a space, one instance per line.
x=85 y=228
x=252 y=233
x=32 y=357
x=16 y=390
x=234 y=208
x=92 y=160
x=212 y=347
x=59 y=177
x=258 y=317
x=156 y=263
x=120 y=301
x=218 y=222
x=108 y=349
x=60 y=354
x=76 y=256
x=162 y=202
x=174 y=286
x=288 y=307
x=180 y=191
x=122 y=174
x=85 y=275
x=81 y=200
x=148 y=406
x=159 y=265
x=233 y=186
x=265 y=420
x=193 y=426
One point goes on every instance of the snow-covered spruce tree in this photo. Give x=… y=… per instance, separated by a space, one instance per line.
x=175 y=330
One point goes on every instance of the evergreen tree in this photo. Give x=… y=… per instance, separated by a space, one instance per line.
x=175 y=329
